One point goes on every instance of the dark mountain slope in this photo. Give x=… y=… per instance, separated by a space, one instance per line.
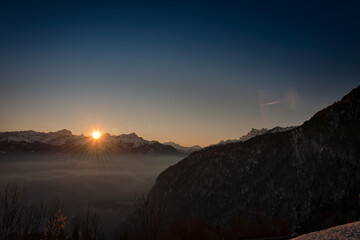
x=308 y=176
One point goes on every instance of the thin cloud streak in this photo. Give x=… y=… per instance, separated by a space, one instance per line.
x=272 y=103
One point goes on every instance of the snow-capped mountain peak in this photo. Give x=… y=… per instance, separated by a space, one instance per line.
x=253 y=133
x=65 y=140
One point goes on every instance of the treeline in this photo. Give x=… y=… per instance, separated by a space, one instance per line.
x=150 y=221
x=22 y=219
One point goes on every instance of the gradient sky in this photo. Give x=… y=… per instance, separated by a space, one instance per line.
x=193 y=73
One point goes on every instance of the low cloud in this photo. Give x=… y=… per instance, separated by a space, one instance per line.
x=85 y=181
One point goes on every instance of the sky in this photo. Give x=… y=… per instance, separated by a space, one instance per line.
x=188 y=72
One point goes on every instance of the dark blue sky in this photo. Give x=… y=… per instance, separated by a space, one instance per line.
x=190 y=72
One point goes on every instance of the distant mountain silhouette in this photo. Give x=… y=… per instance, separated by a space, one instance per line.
x=302 y=179
x=65 y=141
x=182 y=149
x=253 y=133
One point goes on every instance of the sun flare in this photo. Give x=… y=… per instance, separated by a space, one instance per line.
x=96 y=134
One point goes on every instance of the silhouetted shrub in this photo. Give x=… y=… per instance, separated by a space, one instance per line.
x=55 y=227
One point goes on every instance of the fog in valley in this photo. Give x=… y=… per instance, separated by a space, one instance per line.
x=106 y=184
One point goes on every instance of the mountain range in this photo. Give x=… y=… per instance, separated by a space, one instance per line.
x=300 y=179
x=65 y=141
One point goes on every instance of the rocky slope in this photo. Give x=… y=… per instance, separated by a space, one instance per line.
x=302 y=179
x=65 y=141
x=350 y=231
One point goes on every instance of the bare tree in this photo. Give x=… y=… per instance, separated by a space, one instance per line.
x=76 y=224
x=91 y=227
x=23 y=219
x=12 y=206
x=34 y=219
x=148 y=218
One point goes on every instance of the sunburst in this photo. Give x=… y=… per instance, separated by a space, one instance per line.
x=96 y=134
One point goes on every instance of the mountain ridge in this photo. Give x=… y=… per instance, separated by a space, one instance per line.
x=64 y=141
x=300 y=175
x=253 y=133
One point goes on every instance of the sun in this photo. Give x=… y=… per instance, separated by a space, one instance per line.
x=96 y=134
